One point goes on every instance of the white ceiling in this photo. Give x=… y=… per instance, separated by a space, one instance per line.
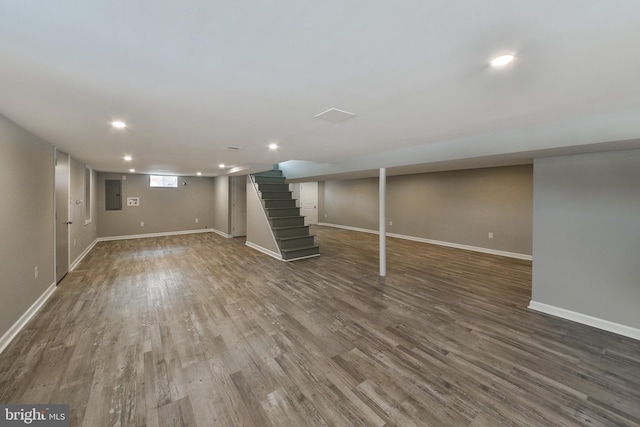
x=193 y=77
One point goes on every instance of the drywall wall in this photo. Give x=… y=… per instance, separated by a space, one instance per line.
x=161 y=209
x=586 y=235
x=26 y=221
x=81 y=233
x=321 y=201
x=460 y=207
x=352 y=203
x=259 y=233
x=221 y=206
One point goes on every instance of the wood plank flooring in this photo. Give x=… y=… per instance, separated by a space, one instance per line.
x=198 y=330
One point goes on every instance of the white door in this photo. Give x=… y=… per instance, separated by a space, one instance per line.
x=238 y=205
x=62 y=215
x=309 y=202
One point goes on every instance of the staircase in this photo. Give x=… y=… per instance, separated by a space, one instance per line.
x=287 y=224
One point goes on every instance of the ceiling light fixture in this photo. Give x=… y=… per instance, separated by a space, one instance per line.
x=502 y=60
x=198 y=173
x=273 y=146
x=128 y=158
x=132 y=170
x=118 y=124
x=221 y=165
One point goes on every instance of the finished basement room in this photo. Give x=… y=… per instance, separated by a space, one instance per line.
x=344 y=214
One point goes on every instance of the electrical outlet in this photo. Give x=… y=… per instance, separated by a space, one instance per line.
x=390 y=222
x=141 y=223
x=325 y=215
x=75 y=242
x=196 y=220
x=490 y=235
x=35 y=273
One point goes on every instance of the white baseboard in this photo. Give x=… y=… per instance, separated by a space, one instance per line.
x=436 y=242
x=144 y=236
x=15 y=329
x=84 y=253
x=223 y=234
x=302 y=257
x=348 y=227
x=264 y=251
x=585 y=319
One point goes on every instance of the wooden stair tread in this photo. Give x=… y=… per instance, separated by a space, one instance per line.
x=288 y=227
x=301 y=248
x=295 y=237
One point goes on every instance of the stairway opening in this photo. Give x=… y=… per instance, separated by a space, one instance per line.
x=291 y=234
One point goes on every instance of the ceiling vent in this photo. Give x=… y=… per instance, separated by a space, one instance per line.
x=335 y=115
x=231 y=147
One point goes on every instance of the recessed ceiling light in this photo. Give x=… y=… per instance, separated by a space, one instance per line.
x=221 y=165
x=273 y=146
x=198 y=173
x=132 y=170
x=118 y=124
x=502 y=60
x=128 y=158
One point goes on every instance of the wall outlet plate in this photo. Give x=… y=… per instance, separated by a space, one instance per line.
x=133 y=201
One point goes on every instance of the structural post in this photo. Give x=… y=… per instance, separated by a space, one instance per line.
x=383 y=221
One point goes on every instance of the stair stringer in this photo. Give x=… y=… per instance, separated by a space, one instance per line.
x=260 y=236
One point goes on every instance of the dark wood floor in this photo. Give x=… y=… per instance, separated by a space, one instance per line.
x=201 y=330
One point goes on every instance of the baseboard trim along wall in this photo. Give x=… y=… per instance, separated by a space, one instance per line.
x=264 y=251
x=84 y=253
x=436 y=242
x=223 y=234
x=15 y=329
x=143 y=236
x=584 y=319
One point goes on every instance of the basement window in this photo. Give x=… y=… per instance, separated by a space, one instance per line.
x=163 y=181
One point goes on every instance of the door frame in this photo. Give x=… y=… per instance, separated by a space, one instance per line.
x=238 y=206
x=314 y=186
x=67 y=249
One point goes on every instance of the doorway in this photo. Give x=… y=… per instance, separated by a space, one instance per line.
x=238 y=202
x=309 y=202
x=62 y=214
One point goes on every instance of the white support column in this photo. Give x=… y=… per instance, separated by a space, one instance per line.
x=383 y=221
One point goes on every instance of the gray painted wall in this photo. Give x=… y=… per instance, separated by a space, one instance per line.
x=161 y=209
x=457 y=206
x=586 y=224
x=258 y=228
x=26 y=220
